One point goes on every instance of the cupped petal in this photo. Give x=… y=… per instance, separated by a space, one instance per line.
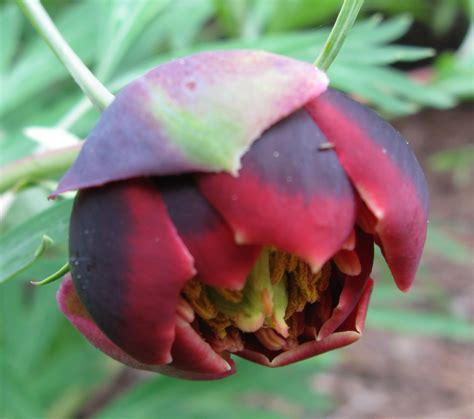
x=199 y=113
x=219 y=261
x=129 y=266
x=353 y=286
x=347 y=333
x=76 y=313
x=291 y=193
x=193 y=358
x=385 y=173
x=208 y=364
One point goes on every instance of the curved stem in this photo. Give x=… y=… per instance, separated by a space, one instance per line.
x=90 y=85
x=37 y=167
x=345 y=20
x=63 y=270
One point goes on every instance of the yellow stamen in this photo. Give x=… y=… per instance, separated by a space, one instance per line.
x=195 y=292
x=279 y=286
x=234 y=296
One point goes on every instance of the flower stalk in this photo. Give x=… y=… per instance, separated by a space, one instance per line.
x=37 y=167
x=346 y=18
x=89 y=84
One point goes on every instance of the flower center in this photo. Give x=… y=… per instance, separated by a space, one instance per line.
x=278 y=288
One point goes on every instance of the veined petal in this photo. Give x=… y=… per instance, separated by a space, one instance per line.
x=386 y=174
x=219 y=261
x=209 y=365
x=129 y=266
x=199 y=113
x=289 y=193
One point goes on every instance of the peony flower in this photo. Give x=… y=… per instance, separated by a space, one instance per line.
x=229 y=204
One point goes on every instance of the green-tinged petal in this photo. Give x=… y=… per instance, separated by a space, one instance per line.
x=199 y=113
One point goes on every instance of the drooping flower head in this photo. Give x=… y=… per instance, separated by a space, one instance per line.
x=228 y=204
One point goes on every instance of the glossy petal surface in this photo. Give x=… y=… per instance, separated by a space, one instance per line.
x=289 y=193
x=129 y=266
x=198 y=113
x=386 y=174
x=219 y=261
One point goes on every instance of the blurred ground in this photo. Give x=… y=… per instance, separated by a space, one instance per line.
x=406 y=377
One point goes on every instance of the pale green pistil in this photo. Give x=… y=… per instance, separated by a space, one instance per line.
x=263 y=303
x=279 y=286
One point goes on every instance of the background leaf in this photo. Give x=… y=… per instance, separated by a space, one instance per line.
x=20 y=243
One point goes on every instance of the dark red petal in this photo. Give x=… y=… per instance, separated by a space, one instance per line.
x=77 y=314
x=193 y=358
x=207 y=365
x=386 y=174
x=129 y=266
x=348 y=332
x=289 y=193
x=353 y=286
x=220 y=262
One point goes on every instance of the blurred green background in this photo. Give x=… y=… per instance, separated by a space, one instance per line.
x=412 y=61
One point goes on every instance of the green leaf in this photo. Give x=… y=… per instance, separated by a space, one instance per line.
x=209 y=399
x=175 y=28
x=37 y=346
x=10 y=22
x=438 y=241
x=18 y=399
x=420 y=323
x=124 y=22
x=30 y=314
x=295 y=14
x=386 y=54
x=20 y=244
x=386 y=31
x=37 y=68
x=454 y=73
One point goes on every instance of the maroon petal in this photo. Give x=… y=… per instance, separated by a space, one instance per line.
x=77 y=314
x=348 y=332
x=353 y=287
x=193 y=358
x=129 y=266
x=220 y=262
x=208 y=364
x=289 y=193
x=386 y=174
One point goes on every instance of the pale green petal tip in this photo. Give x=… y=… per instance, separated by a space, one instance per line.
x=212 y=106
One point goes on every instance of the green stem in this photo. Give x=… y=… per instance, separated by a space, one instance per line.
x=345 y=20
x=55 y=276
x=92 y=88
x=37 y=167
